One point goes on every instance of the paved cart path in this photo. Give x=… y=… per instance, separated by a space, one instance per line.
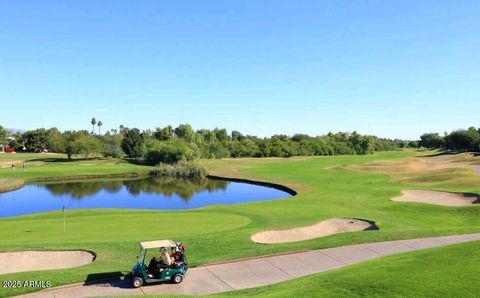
x=258 y=271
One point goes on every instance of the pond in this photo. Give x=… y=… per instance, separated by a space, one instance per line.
x=145 y=193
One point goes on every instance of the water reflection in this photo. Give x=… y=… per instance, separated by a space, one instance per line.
x=147 y=193
x=184 y=188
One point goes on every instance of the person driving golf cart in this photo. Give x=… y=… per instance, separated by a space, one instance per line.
x=158 y=264
x=161 y=269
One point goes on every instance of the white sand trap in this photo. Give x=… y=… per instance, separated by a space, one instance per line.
x=324 y=228
x=21 y=261
x=437 y=197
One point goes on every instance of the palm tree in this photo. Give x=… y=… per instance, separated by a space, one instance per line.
x=94 y=121
x=99 y=125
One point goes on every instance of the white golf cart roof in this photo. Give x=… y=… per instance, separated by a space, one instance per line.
x=157 y=244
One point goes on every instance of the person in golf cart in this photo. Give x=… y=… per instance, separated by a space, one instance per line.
x=176 y=259
x=165 y=258
x=158 y=264
x=160 y=269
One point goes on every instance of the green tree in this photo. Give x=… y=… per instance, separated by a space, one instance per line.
x=71 y=147
x=132 y=143
x=81 y=142
x=465 y=140
x=206 y=136
x=112 y=145
x=185 y=132
x=431 y=140
x=55 y=140
x=221 y=134
x=169 y=152
x=35 y=140
x=237 y=136
x=3 y=136
x=164 y=134
x=88 y=145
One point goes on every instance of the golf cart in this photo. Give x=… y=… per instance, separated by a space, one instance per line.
x=155 y=271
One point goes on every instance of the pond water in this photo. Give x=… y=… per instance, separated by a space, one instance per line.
x=145 y=193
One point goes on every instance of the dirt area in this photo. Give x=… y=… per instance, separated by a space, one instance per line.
x=438 y=198
x=22 y=261
x=324 y=228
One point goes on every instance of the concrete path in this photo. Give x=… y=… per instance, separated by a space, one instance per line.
x=257 y=272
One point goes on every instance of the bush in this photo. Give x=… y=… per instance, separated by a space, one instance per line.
x=182 y=169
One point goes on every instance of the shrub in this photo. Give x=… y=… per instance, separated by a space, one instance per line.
x=182 y=169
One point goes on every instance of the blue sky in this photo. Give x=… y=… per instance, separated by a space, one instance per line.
x=390 y=68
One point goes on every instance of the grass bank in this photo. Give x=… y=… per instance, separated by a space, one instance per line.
x=46 y=167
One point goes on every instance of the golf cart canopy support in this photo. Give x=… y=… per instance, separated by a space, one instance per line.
x=157 y=244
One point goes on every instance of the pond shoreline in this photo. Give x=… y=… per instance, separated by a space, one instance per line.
x=281 y=187
x=284 y=188
x=14 y=187
x=136 y=192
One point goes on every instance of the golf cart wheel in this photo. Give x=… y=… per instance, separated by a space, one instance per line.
x=137 y=282
x=177 y=278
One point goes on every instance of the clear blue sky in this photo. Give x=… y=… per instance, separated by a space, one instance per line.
x=390 y=68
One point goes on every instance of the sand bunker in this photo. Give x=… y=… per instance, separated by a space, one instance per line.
x=324 y=228
x=22 y=261
x=438 y=198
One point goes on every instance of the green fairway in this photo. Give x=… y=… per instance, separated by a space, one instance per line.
x=439 y=272
x=57 y=166
x=326 y=189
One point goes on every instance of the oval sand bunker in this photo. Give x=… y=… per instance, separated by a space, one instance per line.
x=438 y=197
x=324 y=228
x=21 y=261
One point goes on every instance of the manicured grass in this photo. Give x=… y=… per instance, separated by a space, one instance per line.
x=30 y=156
x=51 y=167
x=450 y=271
x=326 y=189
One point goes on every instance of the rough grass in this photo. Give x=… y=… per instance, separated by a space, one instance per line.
x=326 y=189
x=10 y=184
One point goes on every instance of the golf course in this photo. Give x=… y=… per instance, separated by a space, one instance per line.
x=357 y=187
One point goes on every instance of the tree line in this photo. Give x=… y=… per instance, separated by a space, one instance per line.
x=170 y=145
x=457 y=140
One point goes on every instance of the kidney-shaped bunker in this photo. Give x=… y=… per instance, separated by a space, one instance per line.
x=21 y=261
